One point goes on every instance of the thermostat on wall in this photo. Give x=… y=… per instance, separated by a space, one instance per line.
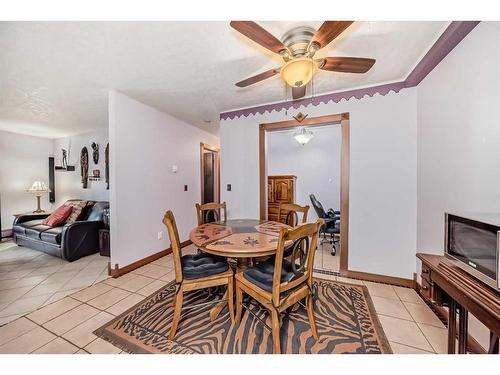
x=175 y=168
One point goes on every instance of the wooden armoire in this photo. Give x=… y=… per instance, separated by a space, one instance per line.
x=280 y=189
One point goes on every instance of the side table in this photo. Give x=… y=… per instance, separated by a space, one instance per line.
x=104 y=242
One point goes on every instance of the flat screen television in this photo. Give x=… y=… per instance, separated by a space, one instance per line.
x=472 y=242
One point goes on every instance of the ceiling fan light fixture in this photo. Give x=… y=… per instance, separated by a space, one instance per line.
x=298 y=72
x=303 y=136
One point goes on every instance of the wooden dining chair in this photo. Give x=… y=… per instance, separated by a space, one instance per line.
x=204 y=210
x=289 y=211
x=196 y=271
x=278 y=284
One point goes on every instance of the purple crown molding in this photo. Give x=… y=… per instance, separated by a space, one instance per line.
x=454 y=33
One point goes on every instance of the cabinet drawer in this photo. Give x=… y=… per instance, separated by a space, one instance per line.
x=272 y=217
x=426 y=289
x=272 y=209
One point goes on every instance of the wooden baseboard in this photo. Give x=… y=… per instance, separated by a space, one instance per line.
x=472 y=344
x=398 y=281
x=118 y=271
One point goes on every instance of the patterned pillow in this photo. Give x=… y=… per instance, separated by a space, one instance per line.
x=59 y=216
x=78 y=206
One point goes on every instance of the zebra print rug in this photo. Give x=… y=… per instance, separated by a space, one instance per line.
x=345 y=316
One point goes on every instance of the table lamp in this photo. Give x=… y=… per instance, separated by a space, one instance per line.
x=38 y=188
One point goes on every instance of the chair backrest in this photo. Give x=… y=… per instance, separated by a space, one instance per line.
x=203 y=212
x=290 y=210
x=175 y=243
x=305 y=238
x=318 y=207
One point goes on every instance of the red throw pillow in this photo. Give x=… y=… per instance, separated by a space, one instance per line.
x=59 y=216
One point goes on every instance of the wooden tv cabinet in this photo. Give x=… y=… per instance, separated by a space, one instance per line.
x=445 y=284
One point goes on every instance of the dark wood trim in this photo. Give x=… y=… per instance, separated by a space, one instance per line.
x=452 y=326
x=262 y=172
x=216 y=150
x=320 y=120
x=118 y=271
x=341 y=119
x=344 y=193
x=398 y=281
x=282 y=177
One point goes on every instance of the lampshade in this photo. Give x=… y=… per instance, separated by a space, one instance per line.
x=298 y=72
x=303 y=136
x=38 y=187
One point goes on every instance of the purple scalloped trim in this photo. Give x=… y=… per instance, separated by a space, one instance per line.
x=454 y=33
x=335 y=97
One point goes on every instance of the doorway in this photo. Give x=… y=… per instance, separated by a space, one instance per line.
x=210 y=173
x=341 y=122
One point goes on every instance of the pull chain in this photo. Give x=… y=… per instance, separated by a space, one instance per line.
x=286 y=98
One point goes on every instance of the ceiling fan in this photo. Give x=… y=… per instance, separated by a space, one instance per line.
x=297 y=48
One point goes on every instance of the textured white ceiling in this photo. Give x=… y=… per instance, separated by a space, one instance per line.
x=55 y=76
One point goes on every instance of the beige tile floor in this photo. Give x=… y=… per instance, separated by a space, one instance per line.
x=66 y=326
x=30 y=279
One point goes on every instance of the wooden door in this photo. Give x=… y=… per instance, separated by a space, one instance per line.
x=283 y=191
x=208 y=177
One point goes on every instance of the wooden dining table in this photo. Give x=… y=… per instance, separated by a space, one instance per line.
x=240 y=239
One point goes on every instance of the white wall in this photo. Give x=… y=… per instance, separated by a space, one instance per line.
x=144 y=144
x=68 y=184
x=23 y=159
x=316 y=164
x=459 y=134
x=459 y=138
x=382 y=236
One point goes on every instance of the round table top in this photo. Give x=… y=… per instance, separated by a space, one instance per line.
x=243 y=238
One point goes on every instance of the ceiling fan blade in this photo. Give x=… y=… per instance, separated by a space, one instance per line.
x=329 y=30
x=346 y=64
x=253 y=31
x=257 y=78
x=298 y=92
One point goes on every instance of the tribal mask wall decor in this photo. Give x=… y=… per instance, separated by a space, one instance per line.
x=95 y=153
x=84 y=166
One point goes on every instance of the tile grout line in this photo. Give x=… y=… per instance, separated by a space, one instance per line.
x=57 y=335
x=52 y=294
x=426 y=339
x=94 y=283
x=60 y=337
x=413 y=347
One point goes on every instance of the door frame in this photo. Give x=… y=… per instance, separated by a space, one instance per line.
x=341 y=119
x=216 y=151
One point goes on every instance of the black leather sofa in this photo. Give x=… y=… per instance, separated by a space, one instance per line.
x=69 y=241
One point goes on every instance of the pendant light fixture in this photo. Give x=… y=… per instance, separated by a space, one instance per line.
x=303 y=135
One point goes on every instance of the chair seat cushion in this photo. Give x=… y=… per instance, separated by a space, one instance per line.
x=333 y=230
x=52 y=235
x=34 y=231
x=262 y=274
x=195 y=266
x=21 y=227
